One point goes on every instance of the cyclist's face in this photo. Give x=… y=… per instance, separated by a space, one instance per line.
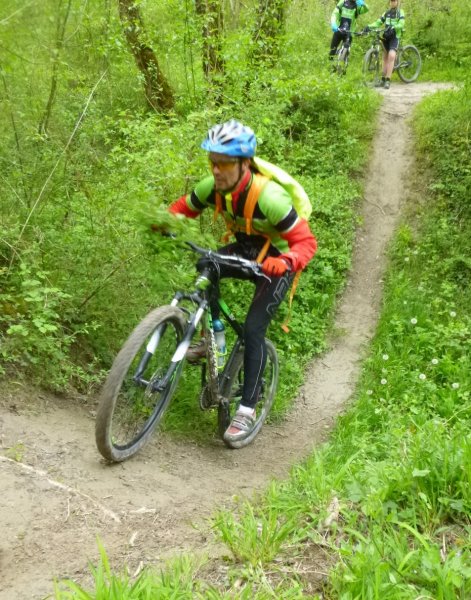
x=227 y=170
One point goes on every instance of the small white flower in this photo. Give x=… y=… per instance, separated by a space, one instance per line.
x=406 y=259
x=422 y=376
x=369 y=392
x=404 y=302
x=385 y=356
x=384 y=381
x=452 y=313
x=413 y=321
x=434 y=361
x=455 y=386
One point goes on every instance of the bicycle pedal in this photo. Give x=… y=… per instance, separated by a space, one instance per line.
x=196 y=353
x=206 y=400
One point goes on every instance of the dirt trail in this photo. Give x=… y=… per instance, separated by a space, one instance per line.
x=58 y=496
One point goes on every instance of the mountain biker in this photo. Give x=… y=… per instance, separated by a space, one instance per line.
x=291 y=245
x=393 y=21
x=342 y=22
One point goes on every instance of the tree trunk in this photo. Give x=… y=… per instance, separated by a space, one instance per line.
x=61 y=27
x=158 y=93
x=234 y=12
x=269 y=26
x=211 y=12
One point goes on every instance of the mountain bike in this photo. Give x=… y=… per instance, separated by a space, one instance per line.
x=148 y=368
x=408 y=62
x=343 y=52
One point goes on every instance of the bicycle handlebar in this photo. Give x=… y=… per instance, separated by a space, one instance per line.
x=375 y=30
x=230 y=260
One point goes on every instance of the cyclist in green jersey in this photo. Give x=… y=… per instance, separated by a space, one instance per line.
x=277 y=230
x=342 y=22
x=393 y=22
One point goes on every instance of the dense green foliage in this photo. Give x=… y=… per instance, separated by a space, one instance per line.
x=85 y=168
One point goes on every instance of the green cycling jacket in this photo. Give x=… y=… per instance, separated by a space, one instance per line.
x=394 y=17
x=346 y=12
x=273 y=216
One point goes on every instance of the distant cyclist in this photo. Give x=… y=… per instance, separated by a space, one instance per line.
x=277 y=236
x=343 y=21
x=393 y=22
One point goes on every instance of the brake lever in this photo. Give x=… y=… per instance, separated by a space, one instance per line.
x=264 y=275
x=250 y=266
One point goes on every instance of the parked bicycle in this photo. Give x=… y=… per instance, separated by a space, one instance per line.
x=148 y=368
x=408 y=62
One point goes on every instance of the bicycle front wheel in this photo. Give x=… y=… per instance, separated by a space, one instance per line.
x=139 y=385
x=228 y=406
x=409 y=63
x=342 y=61
x=371 y=68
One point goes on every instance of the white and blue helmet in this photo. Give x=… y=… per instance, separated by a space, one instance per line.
x=231 y=138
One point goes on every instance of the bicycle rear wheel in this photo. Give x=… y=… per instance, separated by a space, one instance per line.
x=371 y=68
x=139 y=385
x=409 y=63
x=228 y=407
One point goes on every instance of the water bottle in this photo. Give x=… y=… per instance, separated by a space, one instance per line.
x=220 y=339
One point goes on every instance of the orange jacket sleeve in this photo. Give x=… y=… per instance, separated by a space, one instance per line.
x=180 y=207
x=302 y=245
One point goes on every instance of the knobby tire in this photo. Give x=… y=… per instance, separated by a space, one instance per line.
x=227 y=408
x=129 y=412
x=371 y=67
x=409 y=58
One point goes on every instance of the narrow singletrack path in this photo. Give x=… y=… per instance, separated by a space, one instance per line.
x=58 y=496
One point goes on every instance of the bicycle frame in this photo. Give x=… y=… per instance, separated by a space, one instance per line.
x=200 y=297
x=216 y=377
x=377 y=45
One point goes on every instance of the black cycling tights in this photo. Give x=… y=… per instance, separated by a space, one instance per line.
x=267 y=297
x=337 y=37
